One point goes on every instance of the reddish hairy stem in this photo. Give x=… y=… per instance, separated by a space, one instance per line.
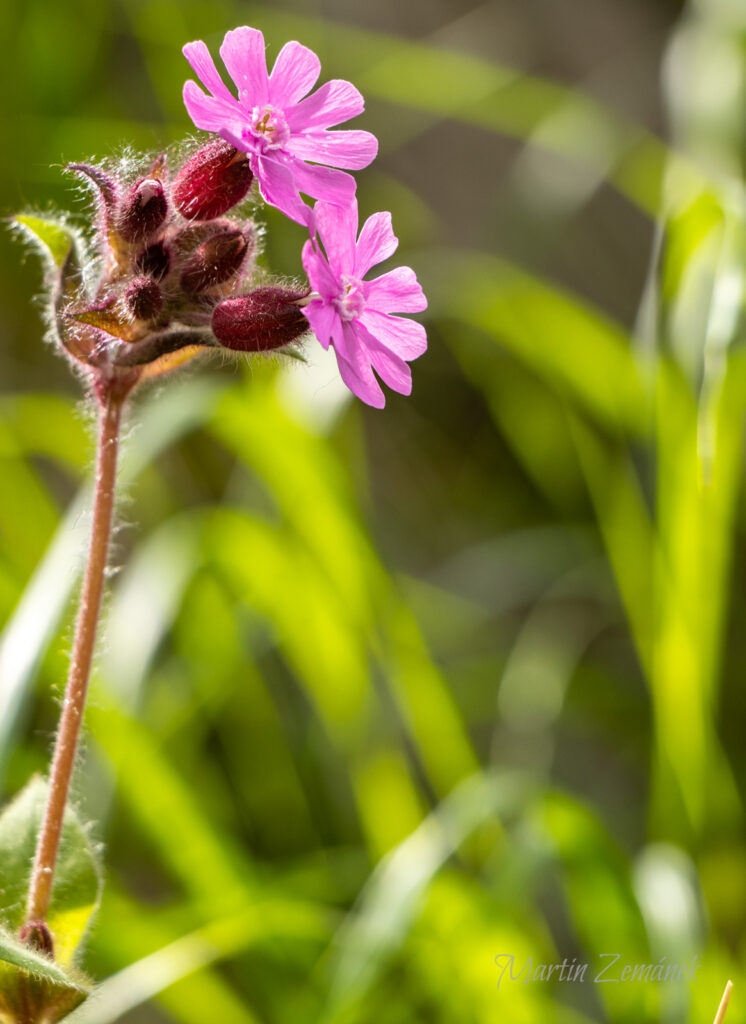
x=63 y=760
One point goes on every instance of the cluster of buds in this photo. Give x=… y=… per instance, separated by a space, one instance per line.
x=174 y=275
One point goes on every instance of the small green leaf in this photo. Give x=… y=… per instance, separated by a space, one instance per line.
x=52 y=237
x=33 y=987
x=77 y=879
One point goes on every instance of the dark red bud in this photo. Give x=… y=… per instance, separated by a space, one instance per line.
x=143 y=298
x=217 y=260
x=36 y=935
x=155 y=261
x=212 y=181
x=263 y=320
x=142 y=211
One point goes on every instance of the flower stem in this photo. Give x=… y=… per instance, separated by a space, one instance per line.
x=63 y=760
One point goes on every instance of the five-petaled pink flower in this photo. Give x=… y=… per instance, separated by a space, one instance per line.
x=354 y=315
x=279 y=129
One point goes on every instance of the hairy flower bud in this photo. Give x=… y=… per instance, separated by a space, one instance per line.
x=188 y=238
x=142 y=211
x=216 y=260
x=36 y=935
x=143 y=298
x=212 y=181
x=154 y=261
x=265 y=319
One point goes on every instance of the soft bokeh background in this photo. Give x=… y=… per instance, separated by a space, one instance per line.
x=385 y=695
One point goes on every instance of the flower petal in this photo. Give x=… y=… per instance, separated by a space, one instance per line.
x=278 y=188
x=392 y=369
x=352 y=150
x=407 y=338
x=210 y=112
x=398 y=291
x=323 y=319
x=365 y=387
x=204 y=68
x=323 y=182
x=234 y=135
x=337 y=226
x=333 y=103
x=320 y=277
x=244 y=56
x=294 y=74
x=376 y=243
x=355 y=370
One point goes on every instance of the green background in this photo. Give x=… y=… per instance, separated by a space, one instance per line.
x=383 y=695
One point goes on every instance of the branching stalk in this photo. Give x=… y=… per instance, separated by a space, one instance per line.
x=63 y=761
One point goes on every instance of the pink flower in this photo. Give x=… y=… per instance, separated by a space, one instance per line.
x=272 y=122
x=354 y=315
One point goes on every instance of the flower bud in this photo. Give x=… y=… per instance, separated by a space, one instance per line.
x=212 y=181
x=142 y=211
x=265 y=319
x=216 y=260
x=36 y=935
x=154 y=261
x=185 y=241
x=143 y=298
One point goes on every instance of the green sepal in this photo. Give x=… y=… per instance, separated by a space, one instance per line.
x=294 y=353
x=77 y=878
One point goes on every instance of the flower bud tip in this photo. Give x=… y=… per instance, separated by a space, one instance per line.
x=142 y=211
x=143 y=298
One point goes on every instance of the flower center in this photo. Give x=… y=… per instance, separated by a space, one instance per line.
x=268 y=125
x=350 y=302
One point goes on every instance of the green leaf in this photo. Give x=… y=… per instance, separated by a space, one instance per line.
x=52 y=237
x=33 y=987
x=77 y=880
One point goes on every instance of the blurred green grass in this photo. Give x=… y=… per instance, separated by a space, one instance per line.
x=384 y=696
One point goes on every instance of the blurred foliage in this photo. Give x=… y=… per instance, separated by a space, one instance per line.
x=384 y=696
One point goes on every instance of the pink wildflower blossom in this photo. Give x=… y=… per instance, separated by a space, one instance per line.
x=272 y=122
x=354 y=315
